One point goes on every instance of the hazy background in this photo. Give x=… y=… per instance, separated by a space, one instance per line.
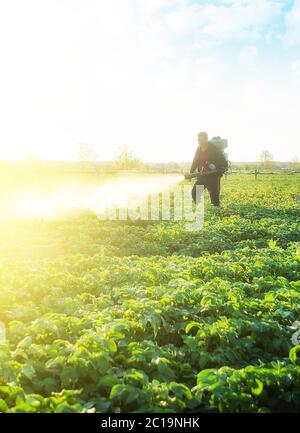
x=149 y=74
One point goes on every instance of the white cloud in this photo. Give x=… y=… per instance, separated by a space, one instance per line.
x=154 y=6
x=248 y=56
x=296 y=72
x=245 y=20
x=292 y=22
x=129 y=72
x=186 y=19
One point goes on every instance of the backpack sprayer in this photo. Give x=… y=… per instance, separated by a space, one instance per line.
x=203 y=173
x=221 y=144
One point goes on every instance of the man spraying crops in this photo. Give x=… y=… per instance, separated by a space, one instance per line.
x=209 y=163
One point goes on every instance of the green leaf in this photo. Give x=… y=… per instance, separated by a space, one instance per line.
x=135 y=376
x=112 y=346
x=272 y=243
x=191 y=325
x=3 y=406
x=259 y=389
x=29 y=371
x=108 y=381
x=125 y=393
x=206 y=377
x=293 y=355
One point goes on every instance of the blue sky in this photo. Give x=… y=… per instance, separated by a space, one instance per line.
x=149 y=74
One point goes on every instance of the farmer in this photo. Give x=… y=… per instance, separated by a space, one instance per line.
x=208 y=157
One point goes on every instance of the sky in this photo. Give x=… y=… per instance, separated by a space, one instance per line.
x=149 y=74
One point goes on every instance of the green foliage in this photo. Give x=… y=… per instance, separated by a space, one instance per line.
x=111 y=316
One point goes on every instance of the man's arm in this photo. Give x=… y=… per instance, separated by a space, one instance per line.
x=194 y=165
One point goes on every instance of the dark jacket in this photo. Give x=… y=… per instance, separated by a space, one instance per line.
x=215 y=156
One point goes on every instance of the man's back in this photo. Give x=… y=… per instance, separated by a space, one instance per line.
x=213 y=156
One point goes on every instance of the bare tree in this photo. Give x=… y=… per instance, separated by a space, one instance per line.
x=266 y=159
x=87 y=155
x=126 y=160
x=294 y=163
